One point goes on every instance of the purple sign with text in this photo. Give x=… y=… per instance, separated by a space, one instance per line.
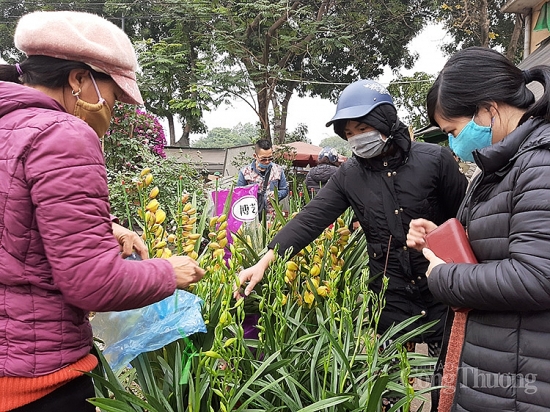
x=243 y=207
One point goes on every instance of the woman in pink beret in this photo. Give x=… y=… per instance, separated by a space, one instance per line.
x=60 y=252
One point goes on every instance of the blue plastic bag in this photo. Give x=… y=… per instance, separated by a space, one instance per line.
x=129 y=333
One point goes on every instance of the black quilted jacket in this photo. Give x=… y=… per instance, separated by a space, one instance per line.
x=419 y=180
x=505 y=364
x=318 y=177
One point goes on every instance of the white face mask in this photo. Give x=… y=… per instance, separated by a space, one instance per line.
x=367 y=145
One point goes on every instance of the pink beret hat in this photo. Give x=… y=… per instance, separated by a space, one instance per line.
x=85 y=38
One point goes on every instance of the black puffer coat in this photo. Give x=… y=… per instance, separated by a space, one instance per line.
x=505 y=363
x=318 y=177
x=418 y=180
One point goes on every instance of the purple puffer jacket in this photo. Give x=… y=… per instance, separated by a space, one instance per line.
x=58 y=256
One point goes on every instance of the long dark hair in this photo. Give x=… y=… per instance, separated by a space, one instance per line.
x=44 y=71
x=476 y=76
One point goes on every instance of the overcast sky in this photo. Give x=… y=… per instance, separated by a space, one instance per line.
x=315 y=112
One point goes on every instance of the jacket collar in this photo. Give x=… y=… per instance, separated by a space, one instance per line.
x=525 y=137
x=395 y=158
x=15 y=96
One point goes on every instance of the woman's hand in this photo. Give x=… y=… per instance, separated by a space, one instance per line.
x=416 y=239
x=418 y=229
x=187 y=271
x=434 y=260
x=129 y=241
x=253 y=275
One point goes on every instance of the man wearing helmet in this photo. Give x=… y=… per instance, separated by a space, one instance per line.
x=327 y=165
x=388 y=181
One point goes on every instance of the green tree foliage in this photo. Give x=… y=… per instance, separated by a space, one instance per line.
x=198 y=54
x=168 y=88
x=242 y=134
x=338 y=143
x=481 y=23
x=298 y=135
x=139 y=19
x=182 y=74
x=222 y=137
x=313 y=47
x=409 y=95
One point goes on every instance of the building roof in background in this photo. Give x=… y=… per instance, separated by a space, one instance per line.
x=430 y=134
x=209 y=159
x=518 y=6
x=540 y=56
x=307 y=154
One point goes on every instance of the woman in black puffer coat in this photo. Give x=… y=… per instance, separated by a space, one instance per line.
x=503 y=356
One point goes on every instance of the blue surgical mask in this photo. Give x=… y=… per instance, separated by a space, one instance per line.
x=263 y=166
x=471 y=137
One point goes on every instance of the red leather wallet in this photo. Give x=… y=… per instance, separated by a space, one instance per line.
x=450 y=243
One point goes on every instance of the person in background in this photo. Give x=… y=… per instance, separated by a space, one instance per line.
x=256 y=172
x=327 y=165
x=469 y=169
x=60 y=252
x=493 y=119
x=388 y=182
x=319 y=175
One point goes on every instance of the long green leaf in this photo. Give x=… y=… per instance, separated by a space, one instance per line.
x=295 y=401
x=145 y=374
x=178 y=393
x=376 y=393
x=257 y=394
x=107 y=368
x=303 y=390
x=340 y=353
x=316 y=388
x=292 y=403
x=261 y=370
x=111 y=405
x=325 y=403
x=146 y=379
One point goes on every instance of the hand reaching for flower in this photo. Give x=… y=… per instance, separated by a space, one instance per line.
x=187 y=271
x=129 y=241
x=253 y=275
